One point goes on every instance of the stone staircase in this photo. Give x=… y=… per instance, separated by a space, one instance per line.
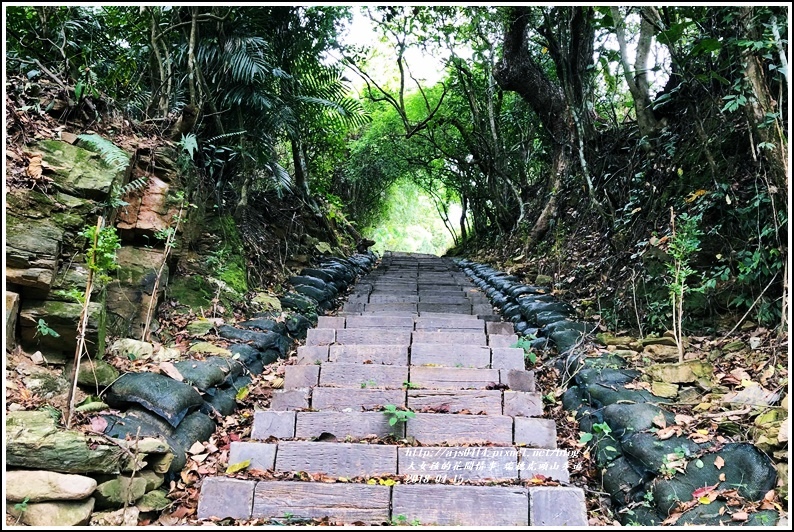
x=416 y=334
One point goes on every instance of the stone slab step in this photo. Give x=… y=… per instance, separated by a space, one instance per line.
x=499 y=327
x=362 y=375
x=340 y=399
x=443 y=505
x=448 y=315
x=452 y=378
x=442 y=307
x=430 y=429
x=445 y=337
x=464 y=356
x=507 y=358
x=403 y=297
x=376 y=354
x=445 y=300
x=337 y=459
x=292 y=399
x=432 y=324
x=502 y=340
x=342 y=425
x=454 y=401
x=459 y=463
x=343 y=503
x=312 y=354
x=551 y=463
x=557 y=506
x=390 y=307
x=373 y=336
x=380 y=322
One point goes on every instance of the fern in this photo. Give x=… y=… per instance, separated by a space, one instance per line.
x=114 y=156
x=116 y=195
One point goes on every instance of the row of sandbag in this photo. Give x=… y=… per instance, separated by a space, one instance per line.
x=182 y=411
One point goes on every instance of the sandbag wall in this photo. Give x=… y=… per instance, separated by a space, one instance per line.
x=646 y=473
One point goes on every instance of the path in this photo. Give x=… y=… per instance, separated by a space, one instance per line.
x=415 y=333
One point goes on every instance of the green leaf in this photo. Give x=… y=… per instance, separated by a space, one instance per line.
x=585 y=437
x=242 y=393
x=393 y=421
x=699 y=464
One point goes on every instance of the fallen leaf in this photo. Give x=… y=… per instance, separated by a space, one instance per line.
x=34 y=166
x=196 y=448
x=170 y=370
x=199 y=458
x=99 y=424
x=739 y=516
x=719 y=462
x=666 y=433
x=239 y=466
x=659 y=420
x=722 y=477
x=705 y=490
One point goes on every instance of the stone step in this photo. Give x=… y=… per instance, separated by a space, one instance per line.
x=373 y=336
x=454 y=401
x=343 y=425
x=447 y=337
x=362 y=375
x=457 y=323
x=431 y=429
x=453 y=378
x=449 y=315
x=460 y=463
x=443 y=505
x=355 y=399
x=464 y=356
x=375 y=354
x=343 y=503
x=442 y=307
x=337 y=459
x=390 y=307
x=416 y=502
x=402 y=297
x=379 y=322
x=444 y=300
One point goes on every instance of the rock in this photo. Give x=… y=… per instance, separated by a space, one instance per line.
x=689 y=395
x=119 y=491
x=745 y=468
x=63 y=318
x=164 y=396
x=12 y=310
x=543 y=280
x=32 y=251
x=149 y=211
x=683 y=372
x=207 y=347
x=46 y=384
x=664 y=389
x=129 y=295
x=34 y=441
x=608 y=339
x=154 y=501
x=166 y=354
x=131 y=349
x=266 y=301
x=261 y=340
x=297 y=325
x=317 y=294
x=138 y=422
x=199 y=327
x=121 y=517
x=55 y=514
x=661 y=353
x=264 y=324
x=77 y=171
x=662 y=340
x=39 y=486
x=96 y=372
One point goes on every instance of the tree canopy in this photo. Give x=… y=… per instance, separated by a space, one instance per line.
x=544 y=116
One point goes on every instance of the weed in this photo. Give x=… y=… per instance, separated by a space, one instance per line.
x=72 y=294
x=397 y=416
x=529 y=355
x=409 y=385
x=370 y=382
x=43 y=329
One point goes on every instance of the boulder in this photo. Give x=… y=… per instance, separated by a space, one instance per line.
x=96 y=373
x=77 y=171
x=32 y=251
x=661 y=353
x=129 y=295
x=119 y=491
x=149 y=211
x=12 y=311
x=39 y=486
x=154 y=501
x=131 y=349
x=63 y=318
x=54 y=513
x=125 y=517
x=34 y=441
x=682 y=372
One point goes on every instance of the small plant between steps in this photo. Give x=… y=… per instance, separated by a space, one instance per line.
x=397 y=416
x=529 y=355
